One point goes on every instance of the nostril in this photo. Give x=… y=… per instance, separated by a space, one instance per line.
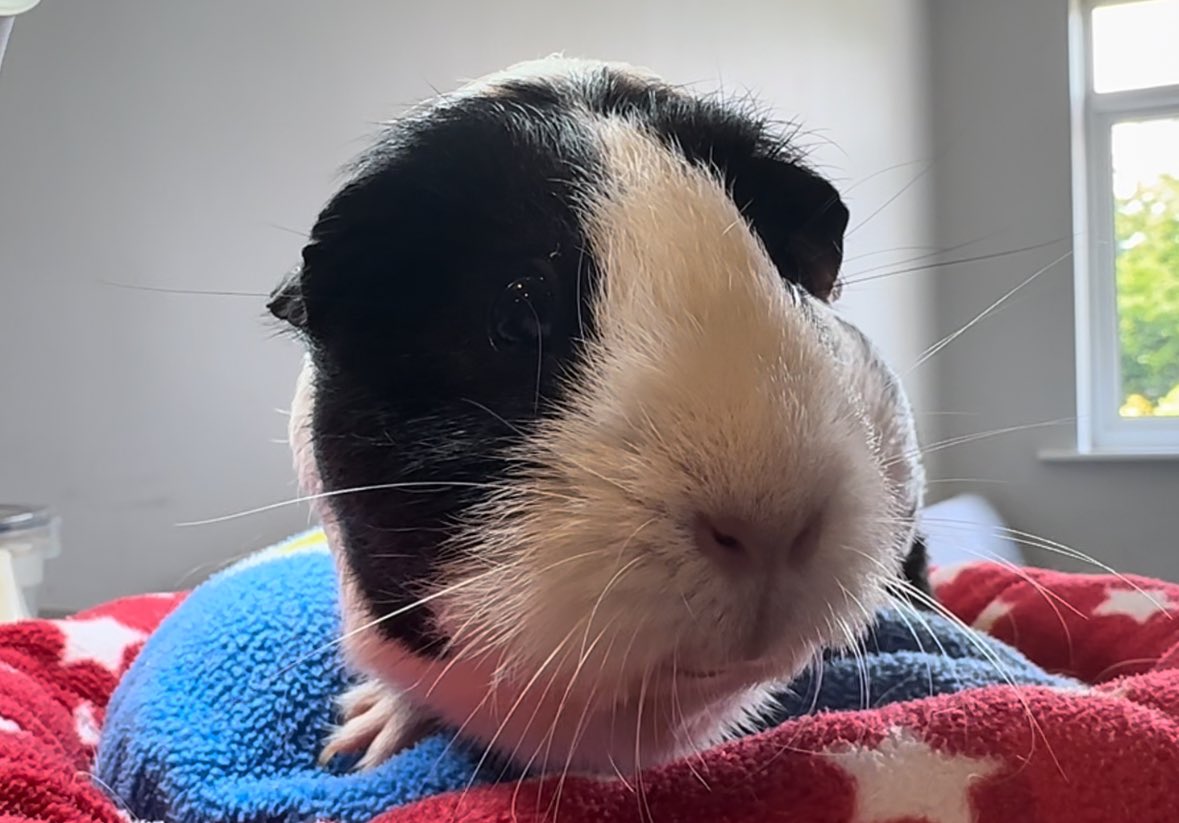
x=720 y=537
x=726 y=540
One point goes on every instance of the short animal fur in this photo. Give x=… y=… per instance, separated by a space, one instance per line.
x=598 y=461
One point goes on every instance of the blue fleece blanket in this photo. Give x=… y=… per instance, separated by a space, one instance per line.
x=223 y=714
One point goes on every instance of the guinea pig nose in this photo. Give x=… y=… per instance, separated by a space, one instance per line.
x=737 y=541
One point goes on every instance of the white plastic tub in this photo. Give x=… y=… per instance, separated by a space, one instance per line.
x=967 y=529
x=28 y=537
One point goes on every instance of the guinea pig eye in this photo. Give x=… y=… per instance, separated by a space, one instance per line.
x=521 y=316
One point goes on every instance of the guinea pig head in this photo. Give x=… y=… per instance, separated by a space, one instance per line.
x=595 y=456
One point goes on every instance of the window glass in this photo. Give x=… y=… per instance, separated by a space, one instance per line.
x=1146 y=233
x=1135 y=45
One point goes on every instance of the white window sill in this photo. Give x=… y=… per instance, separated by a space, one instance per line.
x=1108 y=455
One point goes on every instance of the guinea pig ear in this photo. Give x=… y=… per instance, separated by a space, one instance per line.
x=816 y=238
x=287 y=302
x=801 y=220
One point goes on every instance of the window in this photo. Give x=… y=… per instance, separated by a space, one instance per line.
x=1126 y=210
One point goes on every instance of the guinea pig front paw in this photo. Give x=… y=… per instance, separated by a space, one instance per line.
x=377 y=722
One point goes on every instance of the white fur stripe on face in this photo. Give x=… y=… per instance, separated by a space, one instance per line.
x=696 y=329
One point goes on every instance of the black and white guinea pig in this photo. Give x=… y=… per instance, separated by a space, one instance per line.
x=599 y=464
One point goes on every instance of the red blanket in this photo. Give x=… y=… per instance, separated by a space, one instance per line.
x=1106 y=752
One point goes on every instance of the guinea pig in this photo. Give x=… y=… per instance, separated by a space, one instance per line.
x=599 y=465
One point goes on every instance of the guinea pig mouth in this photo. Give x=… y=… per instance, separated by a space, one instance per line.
x=708 y=676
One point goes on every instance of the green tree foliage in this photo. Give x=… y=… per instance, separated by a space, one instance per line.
x=1147 y=230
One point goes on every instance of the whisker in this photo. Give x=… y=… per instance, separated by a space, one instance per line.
x=459 y=732
x=1048 y=595
x=644 y=803
x=927 y=253
x=950 y=338
x=993 y=658
x=916 y=179
x=409 y=486
x=388 y=616
x=287 y=229
x=1045 y=544
x=579 y=728
x=971 y=636
x=971 y=438
x=856 y=279
x=851 y=187
x=539 y=701
x=677 y=708
x=539 y=361
x=516 y=429
x=622 y=667
x=861 y=656
x=516 y=705
x=1123 y=664
x=618 y=575
x=905 y=611
x=167 y=290
x=821 y=668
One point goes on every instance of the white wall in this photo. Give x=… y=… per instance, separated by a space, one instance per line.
x=1001 y=135
x=187 y=145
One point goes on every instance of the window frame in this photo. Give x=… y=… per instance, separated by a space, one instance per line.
x=1100 y=427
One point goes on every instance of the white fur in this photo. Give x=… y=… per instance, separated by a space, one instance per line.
x=706 y=389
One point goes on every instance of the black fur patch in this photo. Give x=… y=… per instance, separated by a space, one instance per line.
x=916 y=573
x=404 y=267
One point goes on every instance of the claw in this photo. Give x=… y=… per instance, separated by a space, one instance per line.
x=377 y=723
